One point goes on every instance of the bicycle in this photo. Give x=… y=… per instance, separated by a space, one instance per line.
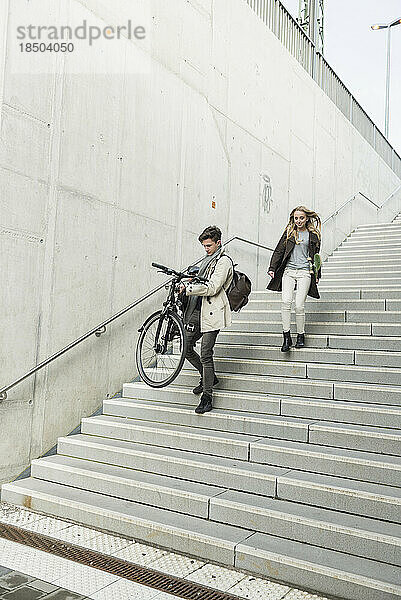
x=162 y=344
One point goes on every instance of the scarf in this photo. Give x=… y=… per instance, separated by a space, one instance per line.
x=203 y=268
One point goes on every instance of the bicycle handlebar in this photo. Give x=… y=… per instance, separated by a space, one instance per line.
x=159 y=266
x=170 y=271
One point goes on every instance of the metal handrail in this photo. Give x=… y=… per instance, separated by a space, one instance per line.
x=378 y=206
x=101 y=328
x=340 y=208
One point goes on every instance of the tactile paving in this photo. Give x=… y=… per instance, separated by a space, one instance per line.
x=254 y=588
x=140 y=554
x=177 y=565
x=125 y=590
x=216 y=577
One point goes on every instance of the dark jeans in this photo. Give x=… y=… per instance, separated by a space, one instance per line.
x=204 y=362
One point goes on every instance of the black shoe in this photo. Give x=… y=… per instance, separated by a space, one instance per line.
x=300 y=340
x=199 y=388
x=287 y=343
x=205 y=405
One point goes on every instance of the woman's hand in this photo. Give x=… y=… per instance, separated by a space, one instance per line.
x=271 y=274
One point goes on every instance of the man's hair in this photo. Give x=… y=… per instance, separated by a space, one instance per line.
x=212 y=232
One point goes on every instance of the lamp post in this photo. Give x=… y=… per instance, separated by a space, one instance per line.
x=387 y=106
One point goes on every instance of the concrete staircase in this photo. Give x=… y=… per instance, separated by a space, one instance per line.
x=295 y=475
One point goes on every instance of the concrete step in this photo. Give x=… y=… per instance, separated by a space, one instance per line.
x=339 y=294
x=345 y=342
x=383 y=293
x=374 y=342
x=345 y=495
x=182 y=533
x=370 y=283
x=228 y=337
x=165 y=433
x=306 y=408
x=360 y=392
x=355 y=535
x=377 y=440
x=276 y=368
x=362 y=374
x=366 y=242
x=382 y=260
x=338 y=462
x=288 y=386
x=327 y=372
x=355 y=578
x=375 y=237
x=362 y=270
x=319 y=306
x=312 y=327
x=350 y=245
x=137 y=486
x=356 y=413
x=361 y=413
x=236 y=401
x=386 y=329
x=354 y=497
x=215 y=424
x=259 y=352
x=366 y=272
x=330 y=295
x=329 y=571
x=393 y=304
x=358 y=254
x=309 y=388
x=373 y=359
x=333 y=316
x=378 y=226
x=342 y=435
x=190 y=466
x=361 y=252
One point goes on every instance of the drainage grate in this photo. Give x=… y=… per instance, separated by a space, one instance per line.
x=111 y=564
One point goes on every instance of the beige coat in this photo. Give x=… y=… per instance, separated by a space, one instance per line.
x=215 y=308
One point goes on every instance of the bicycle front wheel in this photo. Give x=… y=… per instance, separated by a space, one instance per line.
x=161 y=349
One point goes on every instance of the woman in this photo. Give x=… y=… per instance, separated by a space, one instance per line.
x=292 y=263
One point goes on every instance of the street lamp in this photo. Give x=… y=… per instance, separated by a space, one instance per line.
x=387 y=109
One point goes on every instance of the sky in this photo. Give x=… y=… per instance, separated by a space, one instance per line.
x=358 y=55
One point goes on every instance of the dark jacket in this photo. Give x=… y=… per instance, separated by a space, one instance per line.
x=280 y=258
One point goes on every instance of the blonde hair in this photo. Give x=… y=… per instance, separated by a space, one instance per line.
x=313 y=222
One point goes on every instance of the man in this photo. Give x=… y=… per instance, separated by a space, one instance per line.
x=207 y=312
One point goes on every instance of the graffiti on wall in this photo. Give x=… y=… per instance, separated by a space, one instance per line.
x=266 y=192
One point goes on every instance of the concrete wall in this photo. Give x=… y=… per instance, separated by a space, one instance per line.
x=104 y=169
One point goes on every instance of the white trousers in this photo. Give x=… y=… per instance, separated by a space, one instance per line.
x=302 y=277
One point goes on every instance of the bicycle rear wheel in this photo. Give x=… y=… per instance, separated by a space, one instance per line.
x=161 y=349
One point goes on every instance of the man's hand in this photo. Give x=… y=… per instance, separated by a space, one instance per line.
x=271 y=274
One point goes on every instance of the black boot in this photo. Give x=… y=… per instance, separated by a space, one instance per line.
x=205 y=404
x=287 y=343
x=300 y=340
x=199 y=388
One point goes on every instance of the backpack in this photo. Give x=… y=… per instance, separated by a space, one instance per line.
x=239 y=289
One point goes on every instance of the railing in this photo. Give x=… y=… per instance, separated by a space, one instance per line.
x=378 y=206
x=340 y=208
x=294 y=38
x=350 y=215
x=101 y=328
